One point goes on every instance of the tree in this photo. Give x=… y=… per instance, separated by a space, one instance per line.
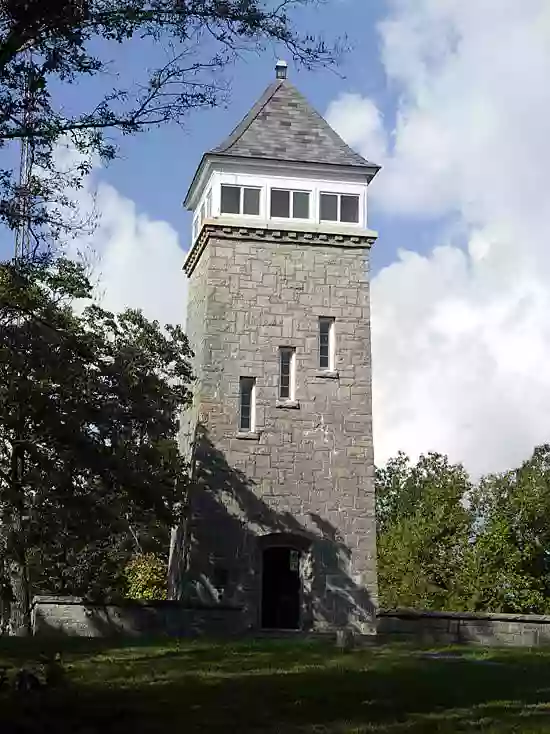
x=48 y=46
x=423 y=528
x=146 y=577
x=445 y=544
x=507 y=567
x=89 y=407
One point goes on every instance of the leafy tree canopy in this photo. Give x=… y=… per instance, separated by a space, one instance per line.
x=446 y=543
x=89 y=408
x=422 y=529
x=508 y=565
x=146 y=577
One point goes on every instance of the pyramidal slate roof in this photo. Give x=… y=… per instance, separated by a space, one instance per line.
x=282 y=125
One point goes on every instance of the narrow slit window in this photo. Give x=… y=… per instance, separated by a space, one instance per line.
x=326 y=343
x=247 y=407
x=287 y=357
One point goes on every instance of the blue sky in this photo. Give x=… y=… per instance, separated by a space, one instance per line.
x=156 y=167
x=452 y=98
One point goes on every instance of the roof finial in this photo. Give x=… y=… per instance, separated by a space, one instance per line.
x=281 y=69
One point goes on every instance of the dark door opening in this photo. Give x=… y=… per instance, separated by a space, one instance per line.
x=281 y=588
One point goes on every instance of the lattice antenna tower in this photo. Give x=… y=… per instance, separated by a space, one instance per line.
x=22 y=232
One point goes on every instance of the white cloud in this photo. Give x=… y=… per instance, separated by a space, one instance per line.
x=359 y=121
x=461 y=336
x=140 y=261
x=136 y=261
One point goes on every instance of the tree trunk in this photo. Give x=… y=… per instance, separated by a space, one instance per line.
x=6 y=595
x=20 y=621
x=16 y=561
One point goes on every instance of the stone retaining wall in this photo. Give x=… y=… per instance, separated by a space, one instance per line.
x=73 y=616
x=444 y=628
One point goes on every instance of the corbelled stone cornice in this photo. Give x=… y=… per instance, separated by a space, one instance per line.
x=306 y=235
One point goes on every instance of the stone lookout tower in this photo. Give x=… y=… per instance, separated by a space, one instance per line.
x=280 y=531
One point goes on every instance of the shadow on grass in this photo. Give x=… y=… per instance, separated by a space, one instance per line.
x=288 y=688
x=196 y=661
x=18 y=651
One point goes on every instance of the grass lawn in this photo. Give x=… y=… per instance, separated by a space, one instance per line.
x=279 y=686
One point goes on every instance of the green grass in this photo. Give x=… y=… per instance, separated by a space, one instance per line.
x=278 y=686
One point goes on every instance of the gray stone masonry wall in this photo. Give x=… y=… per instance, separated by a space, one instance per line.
x=448 y=628
x=308 y=473
x=196 y=309
x=74 y=617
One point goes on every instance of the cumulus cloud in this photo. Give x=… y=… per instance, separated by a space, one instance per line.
x=139 y=260
x=359 y=121
x=461 y=334
x=135 y=261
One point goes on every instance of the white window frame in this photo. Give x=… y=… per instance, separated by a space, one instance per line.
x=292 y=374
x=331 y=343
x=291 y=203
x=241 y=188
x=204 y=211
x=339 y=195
x=252 y=427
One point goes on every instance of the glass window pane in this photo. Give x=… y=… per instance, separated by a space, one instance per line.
x=209 y=204
x=280 y=203
x=245 y=421
x=301 y=205
x=349 y=209
x=324 y=343
x=231 y=199
x=284 y=384
x=251 y=201
x=329 y=207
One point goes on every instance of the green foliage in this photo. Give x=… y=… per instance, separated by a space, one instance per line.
x=146 y=577
x=422 y=531
x=508 y=566
x=89 y=412
x=446 y=544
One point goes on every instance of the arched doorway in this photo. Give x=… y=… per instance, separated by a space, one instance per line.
x=281 y=587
